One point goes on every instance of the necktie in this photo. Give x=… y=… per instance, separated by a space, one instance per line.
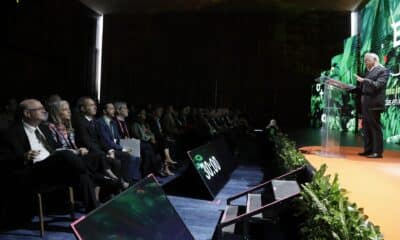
x=43 y=141
x=91 y=124
x=126 y=132
x=112 y=130
x=159 y=125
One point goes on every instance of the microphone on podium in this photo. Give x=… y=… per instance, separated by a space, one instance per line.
x=321 y=79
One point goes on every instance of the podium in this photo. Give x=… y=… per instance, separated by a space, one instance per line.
x=331 y=127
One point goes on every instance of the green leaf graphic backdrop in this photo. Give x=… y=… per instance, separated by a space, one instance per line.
x=376 y=35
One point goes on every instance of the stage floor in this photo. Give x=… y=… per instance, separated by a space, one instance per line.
x=374 y=184
x=312 y=137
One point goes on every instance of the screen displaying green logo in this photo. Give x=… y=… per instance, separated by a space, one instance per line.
x=209 y=167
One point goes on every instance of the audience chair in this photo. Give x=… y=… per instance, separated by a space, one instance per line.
x=47 y=189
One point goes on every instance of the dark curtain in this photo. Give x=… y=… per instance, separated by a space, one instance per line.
x=48 y=48
x=262 y=62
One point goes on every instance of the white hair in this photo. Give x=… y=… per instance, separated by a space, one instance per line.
x=372 y=55
x=119 y=105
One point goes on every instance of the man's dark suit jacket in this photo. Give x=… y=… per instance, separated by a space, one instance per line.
x=22 y=174
x=14 y=143
x=16 y=174
x=374 y=87
x=86 y=134
x=106 y=136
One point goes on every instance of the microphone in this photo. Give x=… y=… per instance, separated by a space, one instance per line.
x=321 y=79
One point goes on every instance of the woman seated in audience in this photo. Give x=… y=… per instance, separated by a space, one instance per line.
x=171 y=125
x=63 y=133
x=141 y=130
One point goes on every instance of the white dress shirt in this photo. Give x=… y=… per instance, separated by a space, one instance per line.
x=88 y=118
x=108 y=122
x=36 y=145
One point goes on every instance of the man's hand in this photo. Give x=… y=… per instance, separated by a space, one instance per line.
x=127 y=150
x=110 y=154
x=359 y=79
x=83 y=151
x=30 y=155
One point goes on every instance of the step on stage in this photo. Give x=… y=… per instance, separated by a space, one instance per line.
x=374 y=184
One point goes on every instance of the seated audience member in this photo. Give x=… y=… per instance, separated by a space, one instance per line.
x=162 y=142
x=132 y=115
x=227 y=117
x=52 y=99
x=63 y=133
x=108 y=131
x=202 y=130
x=150 y=160
x=236 y=118
x=170 y=125
x=149 y=110
x=186 y=127
x=182 y=119
x=243 y=124
x=121 y=115
x=142 y=131
x=206 y=114
x=212 y=120
x=32 y=158
x=87 y=135
x=220 y=118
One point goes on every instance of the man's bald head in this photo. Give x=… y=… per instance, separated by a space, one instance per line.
x=32 y=111
x=29 y=103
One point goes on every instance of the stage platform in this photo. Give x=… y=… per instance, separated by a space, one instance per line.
x=374 y=184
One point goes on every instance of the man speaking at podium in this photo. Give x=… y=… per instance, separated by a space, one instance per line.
x=372 y=89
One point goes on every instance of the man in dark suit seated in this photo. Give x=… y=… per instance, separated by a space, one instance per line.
x=373 y=87
x=107 y=129
x=29 y=156
x=87 y=136
x=149 y=158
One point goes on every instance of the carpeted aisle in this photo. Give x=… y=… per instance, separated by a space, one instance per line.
x=374 y=184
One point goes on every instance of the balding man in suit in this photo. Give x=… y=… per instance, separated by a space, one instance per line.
x=28 y=148
x=373 y=87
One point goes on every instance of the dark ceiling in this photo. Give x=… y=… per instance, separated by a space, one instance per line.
x=146 y=6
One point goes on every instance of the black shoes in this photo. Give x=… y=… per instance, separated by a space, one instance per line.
x=375 y=155
x=370 y=154
x=364 y=153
